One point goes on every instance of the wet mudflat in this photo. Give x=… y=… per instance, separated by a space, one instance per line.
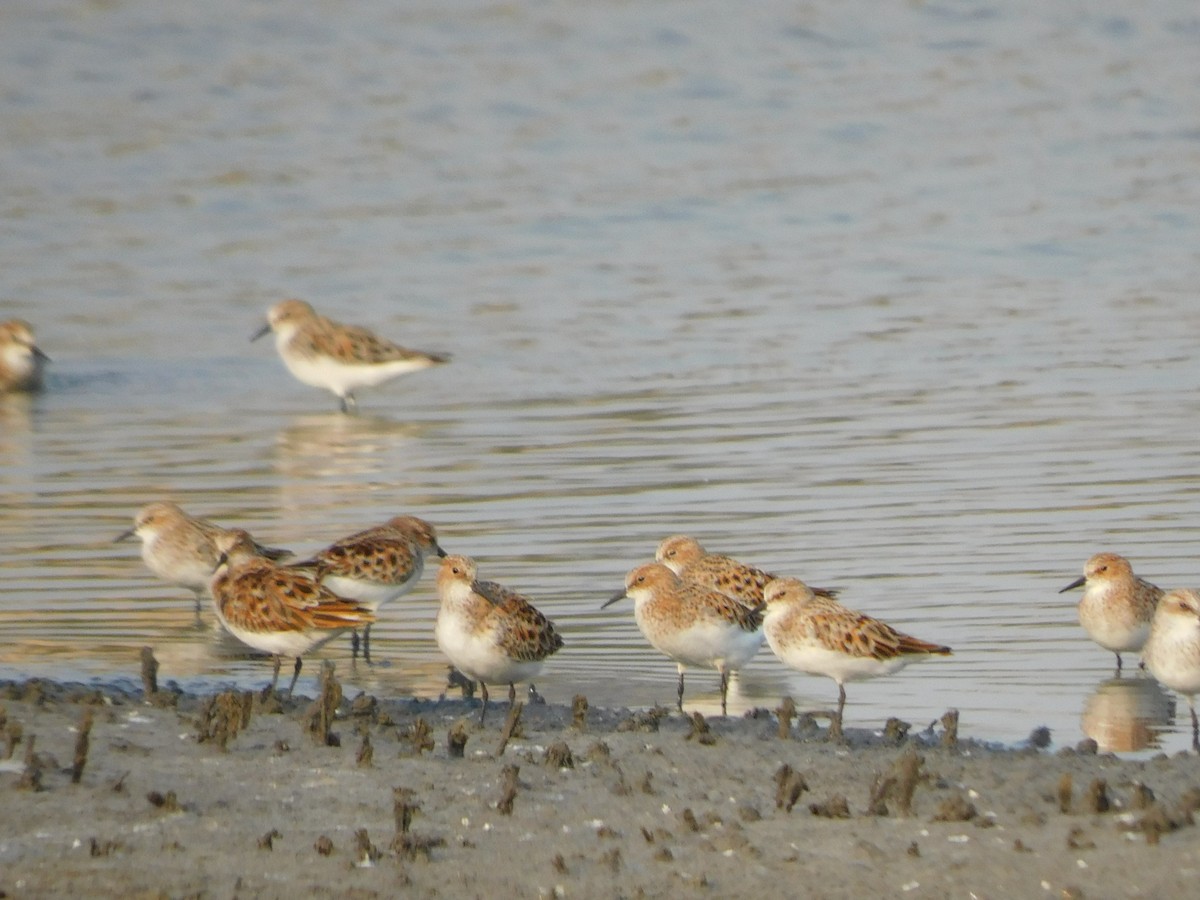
x=174 y=794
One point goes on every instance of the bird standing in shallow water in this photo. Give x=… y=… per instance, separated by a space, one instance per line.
x=692 y=624
x=489 y=633
x=375 y=566
x=1117 y=607
x=21 y=360
x=340 y=358
x=182 y=549
x=819 y=636
x=274 y=608
x=1172 y=650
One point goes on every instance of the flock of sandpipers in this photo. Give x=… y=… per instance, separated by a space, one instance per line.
x=699 y=609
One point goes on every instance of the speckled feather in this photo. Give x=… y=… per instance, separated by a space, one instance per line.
x=392 y=553
x=490 y=633
x=686 y=602
x=256 y=595
x=318 y=336
x=521 y=630
x=858 y=634
x=688 y=559
x=810 y=619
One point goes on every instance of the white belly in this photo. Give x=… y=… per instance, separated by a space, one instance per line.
x=706 y=644
x=477 y=656
x=184 y=569
x=841 y=667
x=370 y=594
x=283 y=643
x=1175 y=661
x=1111 y=625
x=343 y=378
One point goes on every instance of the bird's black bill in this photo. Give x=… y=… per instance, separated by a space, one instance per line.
x=620 y=595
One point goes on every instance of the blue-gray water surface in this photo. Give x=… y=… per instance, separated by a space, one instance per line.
x=899 y=298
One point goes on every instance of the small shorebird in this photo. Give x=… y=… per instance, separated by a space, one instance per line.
x=21 y=361
x=182 y=549
x=276 y=609
x=692 y=624
x=490 y=633
x=819 y=636
x=376 y=565
x=340 y=358
x=685 y=557
x=1172 y=650
x=1116 y=607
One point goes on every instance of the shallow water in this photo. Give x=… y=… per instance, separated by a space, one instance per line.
x=900 y=300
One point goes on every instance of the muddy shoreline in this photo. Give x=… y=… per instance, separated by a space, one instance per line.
x=172 y=794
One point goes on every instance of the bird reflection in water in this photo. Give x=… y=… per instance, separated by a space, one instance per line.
x=1127 y=714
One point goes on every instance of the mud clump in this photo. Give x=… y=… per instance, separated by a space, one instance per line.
x=949 y=722
x=644 y=720
x=82 y=741
x=512 y=727
x=406 y=843
x=955 y=809
x=1066 y=788
x=558 y=756
x=508 y=789
x=223 y=716
x=898 y=784
x=785 y=712
x=579 y=711
x=896 y=730
x=365 y=853
x=456 y=740
x=365 y=757
x=167 y=802
x=404 y=808
x=699 y=730
x=789 y=786
x=1096 y=798
x=420 y=737
x=149 y=673
x=267 y=841
x=320 y=715
x=31 y=777
x=835 y=807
